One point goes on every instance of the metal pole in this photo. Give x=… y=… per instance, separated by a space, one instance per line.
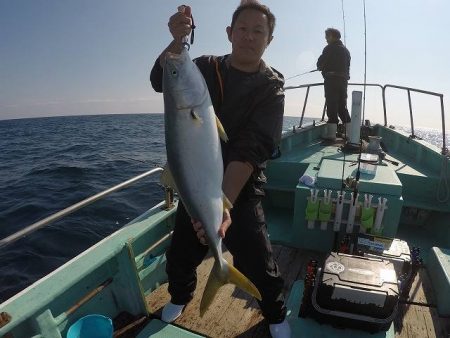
x=323 y=112
x=35 y=226
x=383 y=95
x=444 y=148
x=411 y=114
x=304 y=107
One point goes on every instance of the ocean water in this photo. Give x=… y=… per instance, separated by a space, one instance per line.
x=48 y=164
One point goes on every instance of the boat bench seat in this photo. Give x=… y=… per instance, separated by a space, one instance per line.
x=159 y=329
x=284 y=175
x=422 y=192
x=439 y=271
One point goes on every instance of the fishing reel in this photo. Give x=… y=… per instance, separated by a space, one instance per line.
x=351 y=182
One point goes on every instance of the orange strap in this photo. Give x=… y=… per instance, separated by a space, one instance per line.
x=219 y=77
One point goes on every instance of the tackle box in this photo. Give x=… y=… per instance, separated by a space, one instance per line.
x=392 y=249
x=356 y=291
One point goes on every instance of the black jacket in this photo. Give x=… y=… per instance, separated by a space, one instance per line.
x=251 y=111
x=335 y=61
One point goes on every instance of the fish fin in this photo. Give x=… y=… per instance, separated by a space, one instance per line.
x=222 y=134
x=195 y=116
x=167 y=179
x=237 y=278
x=212 y=286
x=214 y=283
x=226 y=203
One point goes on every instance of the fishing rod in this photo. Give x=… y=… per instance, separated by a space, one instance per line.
x=343 y=18
x=311 y=71
x=365 y=60
x=351 y=182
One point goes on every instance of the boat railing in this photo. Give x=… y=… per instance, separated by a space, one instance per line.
x=411 y=118
x=69 y=210
x=383 y=95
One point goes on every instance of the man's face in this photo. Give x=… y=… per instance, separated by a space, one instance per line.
x=329 y=38
x=249 y=36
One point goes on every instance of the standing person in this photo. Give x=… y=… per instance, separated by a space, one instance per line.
x=335 y=66
x=248 y=98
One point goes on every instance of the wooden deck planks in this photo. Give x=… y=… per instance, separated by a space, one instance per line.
x=421 y=289
x=421 y=322
x=235 y=314
x=418 y=317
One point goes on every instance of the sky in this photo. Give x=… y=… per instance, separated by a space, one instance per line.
x=94 y=57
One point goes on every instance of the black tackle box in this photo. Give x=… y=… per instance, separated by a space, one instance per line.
x=394 y=250
x=356 y=291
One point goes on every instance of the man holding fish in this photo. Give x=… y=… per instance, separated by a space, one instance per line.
x=241 y=99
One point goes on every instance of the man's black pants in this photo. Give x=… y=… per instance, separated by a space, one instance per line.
x=247 y=241
x=336 y=99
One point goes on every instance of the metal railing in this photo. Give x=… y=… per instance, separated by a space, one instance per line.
x=383 y=95
x=67 y=211
x=409 y=90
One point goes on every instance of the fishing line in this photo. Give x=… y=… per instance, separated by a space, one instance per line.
x=311 y=71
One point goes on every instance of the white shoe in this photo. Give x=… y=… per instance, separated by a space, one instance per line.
x=281 y=330
x=330 y=132
x=171 y=312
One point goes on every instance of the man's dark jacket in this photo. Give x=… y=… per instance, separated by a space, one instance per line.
x=335 y=61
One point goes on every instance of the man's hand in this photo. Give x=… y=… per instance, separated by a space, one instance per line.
x=226 y=222
x=180 y=24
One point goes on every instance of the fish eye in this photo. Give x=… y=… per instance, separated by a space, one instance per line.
x=174 y=72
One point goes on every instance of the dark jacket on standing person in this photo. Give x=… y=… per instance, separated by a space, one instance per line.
x=335 y=61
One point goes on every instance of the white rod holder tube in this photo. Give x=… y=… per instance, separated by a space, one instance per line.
x=352 y=213
x=326 y=200
x=380 y=213
x=339 y=207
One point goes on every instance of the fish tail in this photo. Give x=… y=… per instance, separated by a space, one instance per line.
x=215 y=282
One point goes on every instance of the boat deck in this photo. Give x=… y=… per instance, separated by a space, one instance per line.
x=235 y=314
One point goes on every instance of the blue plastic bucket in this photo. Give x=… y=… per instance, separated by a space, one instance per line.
x=91 y=326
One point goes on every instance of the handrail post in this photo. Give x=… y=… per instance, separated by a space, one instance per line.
x=304 y=107
x=444 y=148
x=169 y=194
x=411 y=114
x=323 y=112
x=383 y=95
